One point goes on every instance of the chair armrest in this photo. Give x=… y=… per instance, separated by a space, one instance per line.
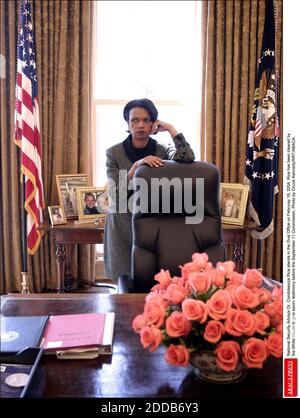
x=105 y=284
x=125 y=284
x=109 y=285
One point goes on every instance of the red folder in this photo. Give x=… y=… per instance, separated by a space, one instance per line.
x=79 y=335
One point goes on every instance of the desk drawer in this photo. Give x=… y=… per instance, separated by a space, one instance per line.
x=79 y=237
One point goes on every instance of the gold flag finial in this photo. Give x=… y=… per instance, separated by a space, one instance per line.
x=24 y=282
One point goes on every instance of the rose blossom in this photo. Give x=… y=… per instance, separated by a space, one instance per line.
x=177 y=355
x=235 y=278
x=175 y=294
x=209 y=266
x=213 y=331
x=255 y=352
x=274 y=311
x=252 y=278
x=239 y=322
x=219 y=304
x=264 y=294
x=200 y=259
x=188 y=268
x=243 y=297
x=177 y=324
x=199 y=282
x=230 y=288
x=227 y=355
x=151 y=336
x=155 y=291
x=278 y=328
x=218 y=278
x=179 y=281
x=274 y=344
x=163 y=277
x=158 y=289
x=194 y=310
x=263 y=322
x=154 y=311
x=226 y=267
x=139 y=322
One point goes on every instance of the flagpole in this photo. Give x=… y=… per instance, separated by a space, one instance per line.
x=258 y=256
x=24 y=273
x=27 y=137
x=263 y=135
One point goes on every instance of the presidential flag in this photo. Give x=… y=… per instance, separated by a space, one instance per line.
x=262 y=145
x=27 y=128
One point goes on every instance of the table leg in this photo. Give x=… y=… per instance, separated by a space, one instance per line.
x=68 y=272
x=238 y=254
x=60 y=261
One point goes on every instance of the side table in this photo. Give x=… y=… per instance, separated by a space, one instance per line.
x=65 y=237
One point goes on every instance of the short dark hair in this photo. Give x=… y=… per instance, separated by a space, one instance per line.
x=89 y=194
x=145 y=103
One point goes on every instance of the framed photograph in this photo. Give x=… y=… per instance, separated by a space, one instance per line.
x=233 y=198
x=66 y=186
x=92 y=202
x=57 y=215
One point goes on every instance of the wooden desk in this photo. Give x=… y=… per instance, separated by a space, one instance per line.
x=66 y=236
x=131 y=371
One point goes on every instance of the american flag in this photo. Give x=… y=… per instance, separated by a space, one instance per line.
x=263 y=137
x=27 y=127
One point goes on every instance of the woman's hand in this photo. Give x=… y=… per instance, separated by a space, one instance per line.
x=160 y=126
x=150 y=160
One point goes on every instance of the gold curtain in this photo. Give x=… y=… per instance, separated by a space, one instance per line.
x=63 y=53
x=231 y=45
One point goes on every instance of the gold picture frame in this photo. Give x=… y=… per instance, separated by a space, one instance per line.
x=66 y=187
x=233 y=201
x=92 y=203
x=57 y=215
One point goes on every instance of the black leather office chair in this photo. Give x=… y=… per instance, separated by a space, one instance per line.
x=166 y=240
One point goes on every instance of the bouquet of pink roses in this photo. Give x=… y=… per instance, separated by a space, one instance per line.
x=232 y=314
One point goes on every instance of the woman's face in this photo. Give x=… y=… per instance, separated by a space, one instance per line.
x=140 y=123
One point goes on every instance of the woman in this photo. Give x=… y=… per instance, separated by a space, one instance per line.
x=137 y=149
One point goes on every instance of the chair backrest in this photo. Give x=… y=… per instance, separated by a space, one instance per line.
x=166 y=240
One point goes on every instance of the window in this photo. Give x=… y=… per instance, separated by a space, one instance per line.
x=145 y=49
